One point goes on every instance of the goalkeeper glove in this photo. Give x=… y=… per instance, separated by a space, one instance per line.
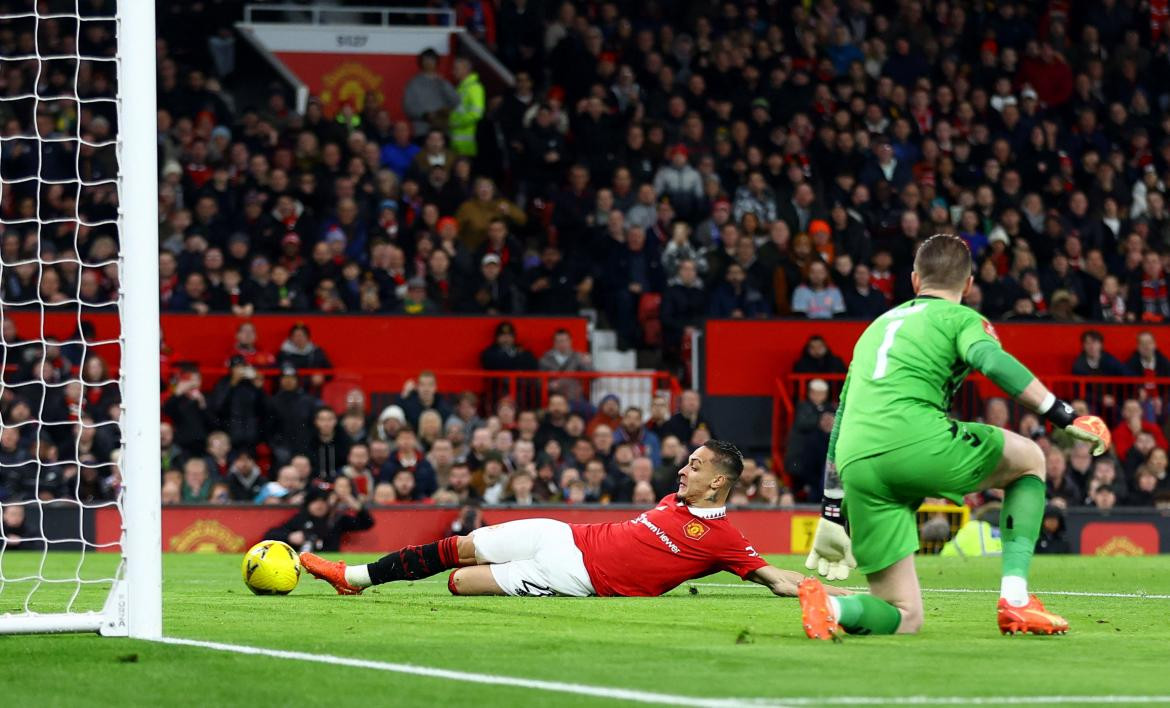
x=1088 y=428
x=832 y=551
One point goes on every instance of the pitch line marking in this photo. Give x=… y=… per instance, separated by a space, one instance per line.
x=636 y=696
x=1065 y=593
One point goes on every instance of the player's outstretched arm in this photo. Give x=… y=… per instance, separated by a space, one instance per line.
x=1008 y=373
x=783 y=582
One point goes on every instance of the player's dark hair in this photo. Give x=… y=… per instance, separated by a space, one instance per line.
x=728 y=458
x=944 y=262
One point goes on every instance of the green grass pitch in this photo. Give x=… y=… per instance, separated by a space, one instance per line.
x=713 y=641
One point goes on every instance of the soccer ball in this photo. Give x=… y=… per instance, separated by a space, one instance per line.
x=1096 y=426
x=271 y=568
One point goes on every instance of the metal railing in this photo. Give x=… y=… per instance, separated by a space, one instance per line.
x=529 y=389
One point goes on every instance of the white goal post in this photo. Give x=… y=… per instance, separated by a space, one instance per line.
x=133 y=606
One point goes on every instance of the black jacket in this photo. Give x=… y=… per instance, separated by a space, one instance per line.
x=291 y=417
x=328 y=457
x=191 y=422
x=241 y=410
x=682 y=307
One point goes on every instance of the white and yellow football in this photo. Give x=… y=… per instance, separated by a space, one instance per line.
x=271 y=568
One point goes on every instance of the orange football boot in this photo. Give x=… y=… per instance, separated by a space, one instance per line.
x=329 y=571
x=1032 y=617
x=815 y=613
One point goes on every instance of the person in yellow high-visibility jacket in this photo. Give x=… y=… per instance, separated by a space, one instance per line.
x=466 y=116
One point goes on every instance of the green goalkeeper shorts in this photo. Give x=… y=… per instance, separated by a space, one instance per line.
x=883 y=492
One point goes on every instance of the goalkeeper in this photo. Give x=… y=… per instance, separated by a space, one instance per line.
x=894 y=444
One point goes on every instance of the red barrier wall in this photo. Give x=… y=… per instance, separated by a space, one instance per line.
x=351 y=341
x=744 y=358
x=235 y=529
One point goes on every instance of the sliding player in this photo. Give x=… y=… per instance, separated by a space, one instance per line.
x=894 y=444
x=686 y=536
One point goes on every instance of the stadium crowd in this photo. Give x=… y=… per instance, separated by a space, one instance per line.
x=737 y=160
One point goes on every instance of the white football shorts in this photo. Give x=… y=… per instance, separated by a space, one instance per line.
x=533 y=557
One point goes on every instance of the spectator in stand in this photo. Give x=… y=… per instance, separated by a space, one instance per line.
x=684 y=306
x=300 y=351
x=802 y=455
x=459 y=484
x=416 y=301
x=597 y=486
x=245 y=346
x=634 y=268
x=485 y=206
x=1131 y=426
x=818 y=298
x=505 y=354
x=466 y=414
x=357 y=471
x=817 y=358
x=328 y=446
x=196 y=481
x=324 y=517
x=407 y=456
x=551 y=288
x=562 y=357
x=736 y=298
x=680 y=183
x=1094 y=360
x=633 y=432
x=491 y=291
x=187 y=409
x=465 y=116
x=1063 y=492
x=429 y=98
x=1146 y=360
x=1144 y=489
x=289 y=415
x=17 y=532
x=1149 y=294
x=862 y=301
x=244 y=478
x=689 y=418
x=240 y=405
x=420 y=395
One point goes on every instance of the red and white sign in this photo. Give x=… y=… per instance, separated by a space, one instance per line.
x=352 y=63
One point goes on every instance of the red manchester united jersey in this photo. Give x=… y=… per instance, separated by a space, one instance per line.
x=663 y=547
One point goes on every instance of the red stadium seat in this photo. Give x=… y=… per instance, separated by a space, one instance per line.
x=649 y=309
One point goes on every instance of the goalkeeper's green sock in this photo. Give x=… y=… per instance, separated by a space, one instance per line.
x=1019 y=527
x=866 y=614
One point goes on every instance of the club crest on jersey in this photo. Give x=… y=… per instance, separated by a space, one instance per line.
x=990 y=330
x=695 y=529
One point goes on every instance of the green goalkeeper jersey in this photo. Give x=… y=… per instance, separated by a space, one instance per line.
x=906 y=368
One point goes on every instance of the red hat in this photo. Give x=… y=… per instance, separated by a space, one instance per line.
x=447 y=221
x=610 y=57
x=679 y=149
x=817 y=226
x=722 y=202
x=989 y=45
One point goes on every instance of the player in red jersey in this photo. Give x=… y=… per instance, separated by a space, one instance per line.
x=686 y=536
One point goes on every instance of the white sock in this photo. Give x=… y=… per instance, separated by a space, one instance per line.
x=1014 y=589
x=835 y=607
x=358 y=576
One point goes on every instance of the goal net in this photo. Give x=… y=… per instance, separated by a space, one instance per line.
x=79 y=446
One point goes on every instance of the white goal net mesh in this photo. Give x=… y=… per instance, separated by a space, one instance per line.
x=60 y=391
